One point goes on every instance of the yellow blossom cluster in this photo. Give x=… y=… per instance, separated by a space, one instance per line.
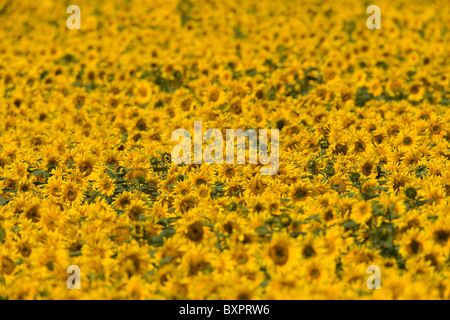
x=86 y=176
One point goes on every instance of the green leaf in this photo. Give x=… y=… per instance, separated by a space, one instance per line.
x=314 y=217
x=250 y=72
x=262 y=230
x=18 y=262
x=38 y=173
x=349 y=224
x=75 y=253
x=362 y=96
x=166 y=260
x=2 y=234
x=156 y=241
x=296 y=234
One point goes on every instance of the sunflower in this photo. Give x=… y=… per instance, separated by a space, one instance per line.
x=182 y=187
x=310 y=248
x=273 y=204
x=143 y=92
x=440 y=233
x=241 y=254
x=51 y=217
x=229 y=224
x=407 y=139
x=172 y=247
x=361 y=212
x=72 y=193
x=360 y=144
x=234 y=188
x=284 y=281
x=369 y=167
x=137 y=171
x=435 y=258
x=281 y=252
x=136 y=209
x=20 y=169
x=160 y=209
x=185 y=203
x=300 y=192
x=399 y=179
x=195 y=261
x=256 y=186
x=203 y=192
x=355 y=276
x=415 y=91
x=333 y=243
x=317 y=271
x=52 y=159
x=227 y=172
x=7 y=266
x=437 y=127
x=105 y=185
x=86 y=164
x=257 y=205
x=411 y=158
x=112 y=158
x=394 y=86
x=412 y=243
x=123 y=200
x=214 y=95
x=194 y=230
x=329 y=215
x=25 y=185
x=240 y=289
x=137 y=289
x=338 y=183
x=133 y=260
x=200 y=178
x=434 y=192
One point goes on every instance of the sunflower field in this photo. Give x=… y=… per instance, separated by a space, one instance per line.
x=87 y=179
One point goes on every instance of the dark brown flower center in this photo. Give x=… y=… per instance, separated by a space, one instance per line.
x=195 y=232
x=279 y=254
